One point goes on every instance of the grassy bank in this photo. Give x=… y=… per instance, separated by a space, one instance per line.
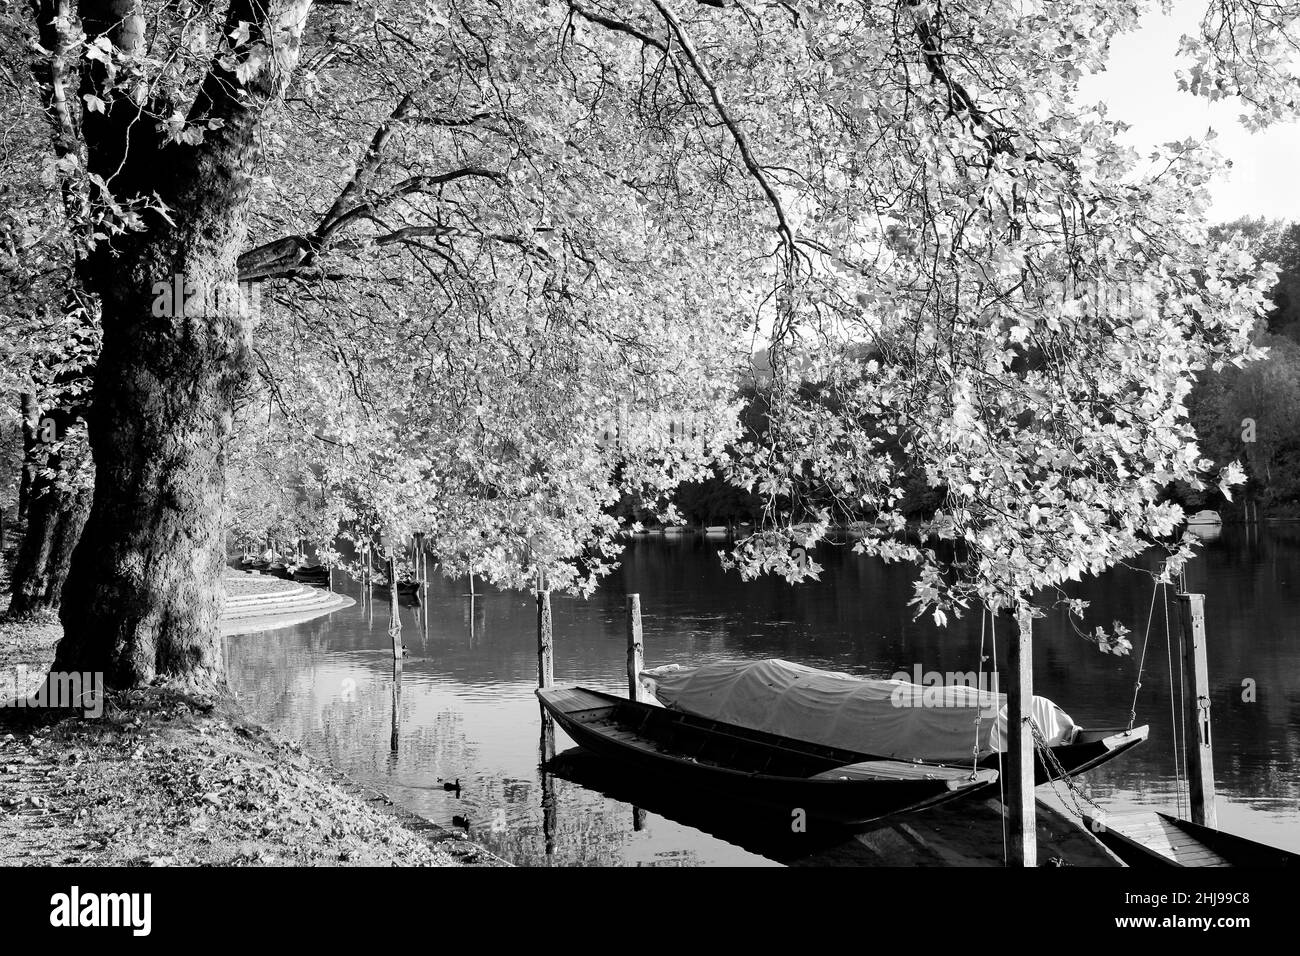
x=162 y=779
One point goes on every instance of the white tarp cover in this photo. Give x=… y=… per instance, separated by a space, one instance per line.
x=886 y=718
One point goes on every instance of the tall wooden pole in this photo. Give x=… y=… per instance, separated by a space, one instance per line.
x=424 y=564
x=1018 y=788
x=370 y=577
x=545 y=636
x=395 y=620
x=635 y=648
x=545 y=666
x=1198 y=755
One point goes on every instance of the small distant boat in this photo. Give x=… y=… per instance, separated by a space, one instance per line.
x=716 y=531
x=1204 y=519
x=1154 y=839
x=405 y=589
x=317 y=574
x=840 y=786
x=676 y=529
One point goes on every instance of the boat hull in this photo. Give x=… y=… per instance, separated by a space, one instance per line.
x=758 y=768
x=1158 y=840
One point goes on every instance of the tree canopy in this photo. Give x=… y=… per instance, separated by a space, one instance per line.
x=486 y=235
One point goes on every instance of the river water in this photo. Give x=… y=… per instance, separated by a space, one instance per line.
x=467 y=712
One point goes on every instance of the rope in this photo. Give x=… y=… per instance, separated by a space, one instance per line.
x=1002 y=786
x=1137 y=684
x=979 y=704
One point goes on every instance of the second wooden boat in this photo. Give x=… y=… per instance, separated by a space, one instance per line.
x=408 y=592
x=841 y=786
x=1154 y=839
x=317 y=574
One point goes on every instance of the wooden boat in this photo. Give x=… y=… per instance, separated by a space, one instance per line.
x=319 y=574
x=1154 y=839
x=408 y=592
x=846 y=788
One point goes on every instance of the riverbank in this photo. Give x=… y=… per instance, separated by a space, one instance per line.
x=165 y=779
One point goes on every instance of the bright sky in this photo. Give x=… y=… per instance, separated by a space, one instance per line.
x=1140 y=89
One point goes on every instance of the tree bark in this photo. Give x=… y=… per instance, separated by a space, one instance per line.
x=55 y=517
x=58 y=501
x=29 y=413
x=147 y=571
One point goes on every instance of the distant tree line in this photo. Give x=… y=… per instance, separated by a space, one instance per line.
x=1252 y=414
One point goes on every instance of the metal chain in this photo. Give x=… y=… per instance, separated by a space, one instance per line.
x=1058 y=772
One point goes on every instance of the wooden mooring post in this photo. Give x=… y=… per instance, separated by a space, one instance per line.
x=545 y=662
x=368 y=572
x=545 y=636
x=395 y=619
x=424 y=566
x=635 y=648
x=1198 y=755
x=1018 y=787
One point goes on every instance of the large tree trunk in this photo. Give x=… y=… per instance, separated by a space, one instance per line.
x=147 y=571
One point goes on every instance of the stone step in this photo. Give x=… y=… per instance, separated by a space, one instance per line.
x=281 y=607
x=274 y=603
x=273 y=597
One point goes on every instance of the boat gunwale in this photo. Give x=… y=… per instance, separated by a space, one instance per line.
x=953 y=779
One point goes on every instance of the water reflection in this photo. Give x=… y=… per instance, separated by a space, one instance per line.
x=397 y=704
x=463 y=707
